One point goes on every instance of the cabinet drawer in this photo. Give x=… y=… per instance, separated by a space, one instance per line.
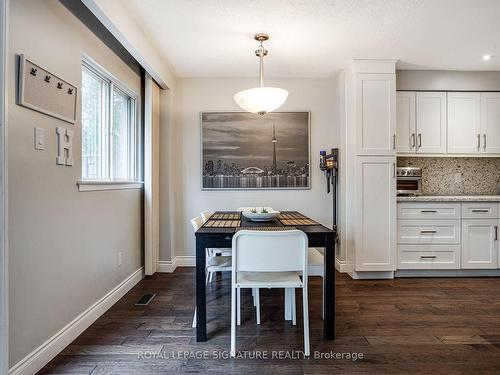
x=479 y=210
x=429 y=232
x=424 y=210
x=428 y=257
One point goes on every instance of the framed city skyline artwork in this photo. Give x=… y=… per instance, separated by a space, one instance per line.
x=241 y=150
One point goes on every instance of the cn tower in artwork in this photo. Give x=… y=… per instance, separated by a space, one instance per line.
x=275 y=168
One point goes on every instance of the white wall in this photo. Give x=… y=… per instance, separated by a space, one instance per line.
x=444 y=80
x=320 y=96
x=63 y=243
x=116 y=14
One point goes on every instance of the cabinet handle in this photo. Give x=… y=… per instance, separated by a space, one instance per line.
x=394 y=170
x=484 y=142
x=419 y=140
x=394 y=141
x=427 y=231
x=496 y=232
x=478 y=210
x=428 y=257
x=428 y=211
x=478 y=141
x=413 y=143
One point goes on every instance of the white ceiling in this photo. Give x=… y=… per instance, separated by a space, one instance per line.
x=316 y=38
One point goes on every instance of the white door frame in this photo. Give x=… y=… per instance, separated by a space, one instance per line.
x=151 y=176
x=4 y=275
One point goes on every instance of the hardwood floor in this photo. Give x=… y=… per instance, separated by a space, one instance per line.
x=400 y=326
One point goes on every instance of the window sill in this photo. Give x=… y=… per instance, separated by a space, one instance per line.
x=98 y=185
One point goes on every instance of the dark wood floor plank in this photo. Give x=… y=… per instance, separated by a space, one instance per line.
x=441 y=325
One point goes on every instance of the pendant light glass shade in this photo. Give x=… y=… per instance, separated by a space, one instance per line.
x=261 y=100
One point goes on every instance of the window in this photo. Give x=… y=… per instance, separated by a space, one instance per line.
x=109 y=128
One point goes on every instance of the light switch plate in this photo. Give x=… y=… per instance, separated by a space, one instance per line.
x=39 y=138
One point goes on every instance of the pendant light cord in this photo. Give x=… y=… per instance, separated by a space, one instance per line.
x=261 y=52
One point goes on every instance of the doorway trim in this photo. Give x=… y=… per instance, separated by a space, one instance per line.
x=4 y=274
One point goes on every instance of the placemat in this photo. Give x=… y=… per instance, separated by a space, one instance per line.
x=295 y=218
x=221 y=223
x=226 y=215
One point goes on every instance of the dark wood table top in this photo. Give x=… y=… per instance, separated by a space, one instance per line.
x=246 y=223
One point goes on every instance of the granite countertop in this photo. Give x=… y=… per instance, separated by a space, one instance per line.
x=450 y=198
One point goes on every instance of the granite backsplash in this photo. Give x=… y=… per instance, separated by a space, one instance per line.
x=478 y=176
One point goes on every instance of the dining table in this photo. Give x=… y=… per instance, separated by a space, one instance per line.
x=218 y=231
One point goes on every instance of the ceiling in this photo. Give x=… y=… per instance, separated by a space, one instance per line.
x=316 y=38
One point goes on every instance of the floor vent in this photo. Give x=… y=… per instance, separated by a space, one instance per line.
x=145 y=299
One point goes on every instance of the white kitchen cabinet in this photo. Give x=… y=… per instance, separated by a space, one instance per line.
x=428 y=257
x=405 y=122
x=429 y=210
x=464 y=123
x=430 y=232
x=480 y=243
x=375 y=239
x=431 y=122
x=479 y=210
x=375 y=114
x=490 y=122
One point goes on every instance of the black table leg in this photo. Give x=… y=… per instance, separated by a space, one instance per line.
x=201 y=300
x=329 y=295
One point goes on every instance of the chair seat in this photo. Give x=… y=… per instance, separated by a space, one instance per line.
x=269 y=280
x=218 y=263
x=224 y=251
x=314 y=257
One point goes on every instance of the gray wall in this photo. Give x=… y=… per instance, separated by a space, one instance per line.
x=447 y=80
x=320 y=96
x=63 y=243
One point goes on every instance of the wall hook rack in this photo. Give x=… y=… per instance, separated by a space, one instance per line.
x=45 y=92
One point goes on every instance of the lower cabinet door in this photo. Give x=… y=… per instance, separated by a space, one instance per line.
x=480 y=243
x=428 y=257
x=376 y=214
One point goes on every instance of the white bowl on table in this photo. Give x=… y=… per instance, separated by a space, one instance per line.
x=259 y=215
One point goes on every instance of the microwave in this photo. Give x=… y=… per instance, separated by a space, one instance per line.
x=408 y=181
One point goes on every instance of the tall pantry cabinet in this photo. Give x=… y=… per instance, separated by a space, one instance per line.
x=369 y=148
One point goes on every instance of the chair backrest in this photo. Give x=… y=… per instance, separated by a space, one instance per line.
x=250 y=208
x=196 y=222
x=205 y=215
x=270 y=251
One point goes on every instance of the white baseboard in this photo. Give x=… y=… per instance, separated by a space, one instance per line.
x=42 y=355
x=344 y=266
x=169 y=266
x=372 y=275
x=448 y=273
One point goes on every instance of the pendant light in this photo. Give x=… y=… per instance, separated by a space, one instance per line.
x=261 y=99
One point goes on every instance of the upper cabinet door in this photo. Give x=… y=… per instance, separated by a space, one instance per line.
x=375 y=114
x=464 y=123
x=406 y=137
x=490 y=122
x=431 y=122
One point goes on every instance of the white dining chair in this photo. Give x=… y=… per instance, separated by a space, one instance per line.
x=205 y=215
x=213 y=263
x=269 y=259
